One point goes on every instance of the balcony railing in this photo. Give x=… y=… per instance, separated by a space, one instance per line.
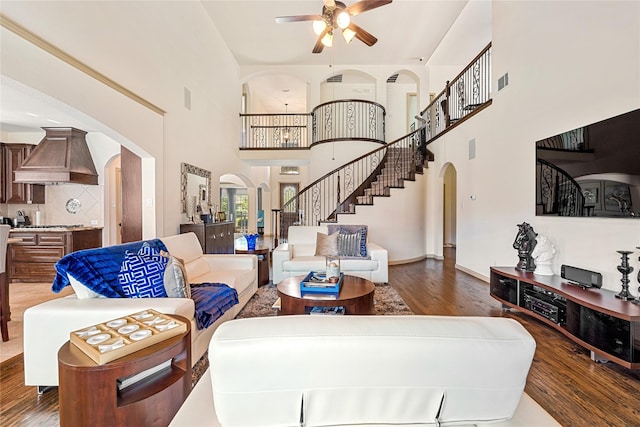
x=342 y=120
x=279 y=131
x=464 y=96
x=348 y=119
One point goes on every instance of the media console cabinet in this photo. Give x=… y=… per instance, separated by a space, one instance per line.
x=593 y=318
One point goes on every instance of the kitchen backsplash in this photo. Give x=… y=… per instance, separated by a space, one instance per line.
x=61 y=203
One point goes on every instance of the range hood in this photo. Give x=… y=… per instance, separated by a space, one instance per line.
x=62 y=157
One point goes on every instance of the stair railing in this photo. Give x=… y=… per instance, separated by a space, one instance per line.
x=559 y=193
x=462 y=97
x=336 y=192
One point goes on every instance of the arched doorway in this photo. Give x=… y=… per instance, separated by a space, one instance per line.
x=449 y=191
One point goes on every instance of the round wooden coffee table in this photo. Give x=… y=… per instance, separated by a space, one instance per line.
x=356 y=296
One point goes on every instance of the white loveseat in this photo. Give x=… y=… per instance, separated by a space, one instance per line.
x=364 y=371
x=297 y=257
x=47 y=325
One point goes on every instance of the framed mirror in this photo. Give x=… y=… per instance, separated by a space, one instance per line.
x=195 y=182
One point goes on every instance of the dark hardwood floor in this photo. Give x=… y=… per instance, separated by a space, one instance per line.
x=563 y=379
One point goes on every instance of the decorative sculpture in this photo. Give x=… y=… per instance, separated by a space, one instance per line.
x=625 y=269
x=524 y=243
x=543 y=253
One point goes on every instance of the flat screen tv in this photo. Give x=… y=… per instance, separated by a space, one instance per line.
x=591 y=171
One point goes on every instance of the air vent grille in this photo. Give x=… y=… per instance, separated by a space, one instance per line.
x=392 y=78
x=335 y=79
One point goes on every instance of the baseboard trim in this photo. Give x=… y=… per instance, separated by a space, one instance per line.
x=407 y=261
x=472 y=273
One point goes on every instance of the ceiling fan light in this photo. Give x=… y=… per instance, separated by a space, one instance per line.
x=327 y=40
x=348 y=34
x=319 y=26
x=343 y=19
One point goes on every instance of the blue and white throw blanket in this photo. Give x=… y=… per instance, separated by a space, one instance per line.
x=98 y=268
x=212 y=300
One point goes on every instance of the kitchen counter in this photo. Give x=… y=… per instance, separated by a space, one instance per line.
x=53 y=228
x=34 y=257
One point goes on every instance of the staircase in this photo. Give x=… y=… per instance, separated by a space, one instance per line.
x=358 y=182
x=399 y=166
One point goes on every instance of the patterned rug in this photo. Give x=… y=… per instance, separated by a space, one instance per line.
x=385 y=299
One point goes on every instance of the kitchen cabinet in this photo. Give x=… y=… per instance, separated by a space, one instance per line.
x=215 y=238
x=3 y=168
x=18 y=193
x=33 y=259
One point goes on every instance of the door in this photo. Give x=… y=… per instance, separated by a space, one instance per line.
x=131 y=193
x=289 y=215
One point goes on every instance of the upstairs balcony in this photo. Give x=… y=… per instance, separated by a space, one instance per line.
x=360 y=120
x=341 y=120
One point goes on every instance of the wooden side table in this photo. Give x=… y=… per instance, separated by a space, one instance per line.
x=264 y=262
x=88 y=392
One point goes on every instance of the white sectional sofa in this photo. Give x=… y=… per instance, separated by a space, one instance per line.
x=297 y=257
x=47 y=325
x=365 y=371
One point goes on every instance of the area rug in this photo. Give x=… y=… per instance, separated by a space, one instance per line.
x=385 y=299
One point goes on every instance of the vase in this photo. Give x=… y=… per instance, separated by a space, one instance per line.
x=251 y=241
x=333 y=267
x=191 y=208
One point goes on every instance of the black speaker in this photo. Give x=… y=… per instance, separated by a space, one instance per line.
x=585 y=278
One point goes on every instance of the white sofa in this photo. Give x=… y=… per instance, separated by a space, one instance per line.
x=366 y=370
x=47 y=325
x=297 y=257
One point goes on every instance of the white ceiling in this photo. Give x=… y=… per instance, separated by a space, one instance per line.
x=407 y=30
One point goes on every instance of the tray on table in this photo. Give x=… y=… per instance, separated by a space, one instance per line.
x=119 y=337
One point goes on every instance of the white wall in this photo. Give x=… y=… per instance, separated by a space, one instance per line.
x=397 y=222
x=569 y=64
x=156 y=50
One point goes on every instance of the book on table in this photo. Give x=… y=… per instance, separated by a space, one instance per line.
x=326 y=311
x=318 y=283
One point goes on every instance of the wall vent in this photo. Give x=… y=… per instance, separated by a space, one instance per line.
x=393 y=78
x=503 y=81
x=335 y=79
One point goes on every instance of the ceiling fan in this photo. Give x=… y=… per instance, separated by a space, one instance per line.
x=337 y=16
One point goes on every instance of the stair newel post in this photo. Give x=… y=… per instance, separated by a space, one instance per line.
x=338 y=195
x=447 y=117
x=275 y=226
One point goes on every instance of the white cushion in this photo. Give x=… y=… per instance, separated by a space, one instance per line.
x=81 y=291
x=353 y=370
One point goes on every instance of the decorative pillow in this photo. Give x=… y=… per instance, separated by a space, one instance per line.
x=326 y=245
x=352 y=229
x=141 y=275
x=349 y=244
x=175 y=277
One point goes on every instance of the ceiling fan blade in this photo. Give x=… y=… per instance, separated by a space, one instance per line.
x=363 y=6
x=319 y=45
x=297 y=18
x=363 y=35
